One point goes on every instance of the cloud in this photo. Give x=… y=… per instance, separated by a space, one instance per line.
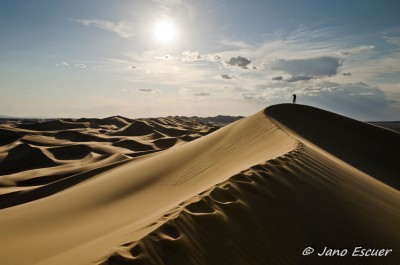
x=239 y=61
x=260 y=98
x=185 y=91
x=80 y=65
x=361 y=100
x=164 y=57
x=265 y=94
x=201 y=94
x=355 y=50
x=143 y=90
x=352 y=89
x=319 y=66
x=247 y=96
x=364 y=102
x=189 y=93
x=235 y=90
x=277 y=78
x=392 y=36
x=63 y=64
x=192 y=56
x=314 y=90
x=363 y=94
x=299 y=78
x=234 y=44
x=216 y=57
x=393 y=40
x=148 y=90
x=122 y=28
x=227 y=76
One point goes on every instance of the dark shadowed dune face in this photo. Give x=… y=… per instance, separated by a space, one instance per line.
x=137 y=128
x=133 y=145
x=24 y=157
x=9 y=136
x=77 y=136
x=190 y=137
x=371 y=149
x=164 y=143
x=70 y=152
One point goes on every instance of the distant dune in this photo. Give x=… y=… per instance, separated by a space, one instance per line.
x=180 y=190
x=55 y=125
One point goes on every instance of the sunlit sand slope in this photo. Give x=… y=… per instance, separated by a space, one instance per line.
x=122 y=202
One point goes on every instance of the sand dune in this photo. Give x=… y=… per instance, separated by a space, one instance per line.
x=70 y=152
x=55 y=125
x=165 y=143
x=116 y=121
x=369 y=148
x=271 y=212
x=137 y=128
x=8 y=136
x=39 y=157
x=190 y=137
x=134 y=145
x=24 y=157
x=76 y=136
x=257 y=191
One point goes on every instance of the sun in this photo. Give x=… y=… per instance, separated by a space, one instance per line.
x=164 y=31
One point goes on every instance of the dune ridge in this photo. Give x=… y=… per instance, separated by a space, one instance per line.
x=55 y=125
x=257 y=191
x=268 y=214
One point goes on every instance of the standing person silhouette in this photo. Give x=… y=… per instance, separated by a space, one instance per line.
x=294 y=98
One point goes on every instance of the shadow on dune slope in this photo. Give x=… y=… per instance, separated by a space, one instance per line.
x=24 y=156
x=369 y=148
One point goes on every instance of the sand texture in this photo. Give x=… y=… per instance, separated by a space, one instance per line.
x=182 y=190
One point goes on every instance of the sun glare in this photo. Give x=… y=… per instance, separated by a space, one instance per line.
x=164 y=31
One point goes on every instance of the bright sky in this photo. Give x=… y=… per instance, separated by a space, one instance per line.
x=98 y=58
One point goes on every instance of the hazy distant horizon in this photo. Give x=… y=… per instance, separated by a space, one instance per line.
x=198 y=58
x=50 y=118
x=5 y=117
